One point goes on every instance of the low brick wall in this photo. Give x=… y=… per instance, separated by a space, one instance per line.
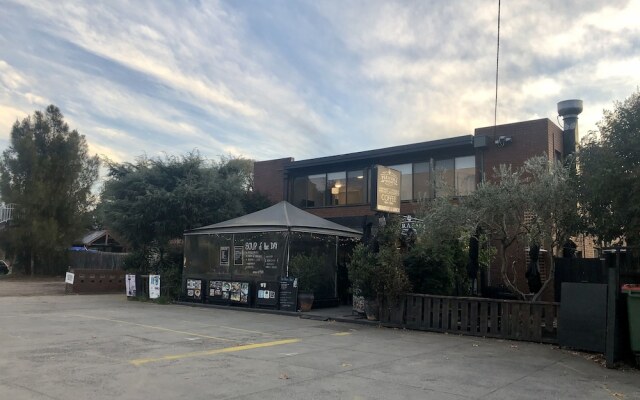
x=97 y=281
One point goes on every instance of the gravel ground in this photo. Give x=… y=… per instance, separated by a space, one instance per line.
x=11 y=285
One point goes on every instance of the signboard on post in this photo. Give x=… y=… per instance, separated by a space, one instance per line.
x=288 y=294
x=385 y=189
x=154 y=286
x=130 y=282
x=69 y=278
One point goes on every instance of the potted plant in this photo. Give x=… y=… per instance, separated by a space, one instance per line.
x=362 y=271
x=306 y=268
x=376 y=275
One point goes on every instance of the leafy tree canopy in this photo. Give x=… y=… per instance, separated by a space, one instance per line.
x=609 y=174
x=48 y=173
x=154 y=200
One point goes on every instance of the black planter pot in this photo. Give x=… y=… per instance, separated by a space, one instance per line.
x=305 y=301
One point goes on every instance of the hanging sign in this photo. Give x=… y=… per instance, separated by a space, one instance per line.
x=154 y=286
x=385 y=189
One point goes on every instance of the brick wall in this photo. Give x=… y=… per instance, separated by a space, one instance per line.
x=528 y=139
x=269 y=179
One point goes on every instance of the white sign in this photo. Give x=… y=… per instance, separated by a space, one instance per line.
x=69 y=278
x=131 y=285
x=154 y=286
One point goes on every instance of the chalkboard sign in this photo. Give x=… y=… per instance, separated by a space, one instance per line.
x=288 y=294
x=267 y=294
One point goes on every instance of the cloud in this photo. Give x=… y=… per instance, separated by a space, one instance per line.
x=307 y=79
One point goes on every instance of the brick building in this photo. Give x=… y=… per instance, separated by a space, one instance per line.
x=338 y=187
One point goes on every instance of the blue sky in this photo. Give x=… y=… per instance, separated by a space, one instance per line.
x=271 y=79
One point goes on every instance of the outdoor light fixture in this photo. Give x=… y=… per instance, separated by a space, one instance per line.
x=502 y=141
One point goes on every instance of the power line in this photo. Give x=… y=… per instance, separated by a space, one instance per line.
x=495 y=107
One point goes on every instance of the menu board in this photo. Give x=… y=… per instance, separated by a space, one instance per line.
x=267 y=294
x=258 y=255
x=194 y=289
x=288 y=294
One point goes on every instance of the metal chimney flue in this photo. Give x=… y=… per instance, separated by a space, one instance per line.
x=569 y=111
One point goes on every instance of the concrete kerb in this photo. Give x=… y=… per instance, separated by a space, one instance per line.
x=305 y=315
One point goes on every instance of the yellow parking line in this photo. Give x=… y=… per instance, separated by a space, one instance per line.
x=142 y=361
x=159 y=328
x=341 y=334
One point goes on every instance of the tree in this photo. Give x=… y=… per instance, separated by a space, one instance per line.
x=609 y=174
x=533 y=205
x=436 y=263
x=151 y=202
x=48 y=172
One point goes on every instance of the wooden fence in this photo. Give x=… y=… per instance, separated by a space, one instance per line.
x=505 y=319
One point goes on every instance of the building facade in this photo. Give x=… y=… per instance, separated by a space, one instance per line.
x=338 y=187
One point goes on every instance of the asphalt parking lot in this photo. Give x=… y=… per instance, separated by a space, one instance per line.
x=105 y=347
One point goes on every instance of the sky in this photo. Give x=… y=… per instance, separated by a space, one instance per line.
x=305 y=79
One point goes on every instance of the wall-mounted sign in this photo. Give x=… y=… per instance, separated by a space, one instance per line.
x=385 y=189
x=410 y=224
x=194 y=289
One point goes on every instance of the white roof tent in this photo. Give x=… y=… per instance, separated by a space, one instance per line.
x=280 y=217
x=256 y=249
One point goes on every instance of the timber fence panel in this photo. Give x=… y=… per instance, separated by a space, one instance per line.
x=505 y=319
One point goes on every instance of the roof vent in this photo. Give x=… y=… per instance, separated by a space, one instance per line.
x=569 y=111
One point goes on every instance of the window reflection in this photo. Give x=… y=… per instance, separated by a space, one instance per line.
x=316 y=190
x=422 y=181
x=444 y=178
x=356 y=193
x=406 y=184
x=337 y=184
x=465 y=175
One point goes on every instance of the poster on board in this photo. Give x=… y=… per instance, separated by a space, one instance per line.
x=238 y=255
x=224 y=255
x=154 y=286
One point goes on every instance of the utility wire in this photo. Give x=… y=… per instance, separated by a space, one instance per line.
x=495 y=107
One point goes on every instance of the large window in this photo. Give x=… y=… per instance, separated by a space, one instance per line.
x=356 y=187
x=465 y=175
x=299 y=193
x=332 y=189
x=422 y=181
x=316 y=190
x=406 y=185
x=337 y=184
x=444 y=178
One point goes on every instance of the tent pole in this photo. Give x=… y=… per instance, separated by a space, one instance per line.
x=288 y=245
x=336 y=273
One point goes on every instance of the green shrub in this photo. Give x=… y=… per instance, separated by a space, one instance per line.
x=308 y=269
